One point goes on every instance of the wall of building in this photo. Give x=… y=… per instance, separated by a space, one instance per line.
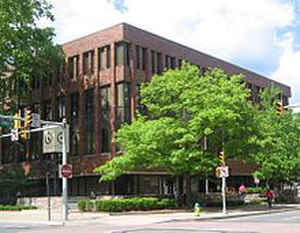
x=94 y=63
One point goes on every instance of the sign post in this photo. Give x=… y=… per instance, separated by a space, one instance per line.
x=222 y=172
x=64 y=163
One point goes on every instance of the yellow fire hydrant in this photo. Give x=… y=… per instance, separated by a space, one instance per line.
x=197 y=209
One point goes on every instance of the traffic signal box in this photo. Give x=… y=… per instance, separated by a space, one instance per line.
x=17 y=123
x=27 y=123
x=222 y=158
x=279 y=108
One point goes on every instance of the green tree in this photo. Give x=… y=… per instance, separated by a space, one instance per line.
x=279 y=141
x=184 y=110
x=13 y=180
x=27 y=51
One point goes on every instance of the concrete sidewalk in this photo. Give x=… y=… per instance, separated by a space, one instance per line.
x=138 y=218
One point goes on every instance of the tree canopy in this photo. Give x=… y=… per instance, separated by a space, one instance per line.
x=186 y=110
x=279 y=153
x=27 y=51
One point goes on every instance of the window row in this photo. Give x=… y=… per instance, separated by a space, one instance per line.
x=82 y=114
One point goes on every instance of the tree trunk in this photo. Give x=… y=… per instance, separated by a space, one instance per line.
x=188 y=191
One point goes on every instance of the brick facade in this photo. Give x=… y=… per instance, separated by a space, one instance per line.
x=93 y=64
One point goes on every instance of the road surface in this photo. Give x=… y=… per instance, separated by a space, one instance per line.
x=286 y=222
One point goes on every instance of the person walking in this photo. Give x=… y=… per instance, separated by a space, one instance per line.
x=270 y=196
x=242 y=190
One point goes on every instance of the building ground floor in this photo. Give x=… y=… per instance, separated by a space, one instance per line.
x=133 y=185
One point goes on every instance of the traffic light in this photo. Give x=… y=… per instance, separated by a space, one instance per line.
x=28 y=119
x=218 y=172
x=24 y=134
x=17 y=123
x=222 y=158
x=279 y=108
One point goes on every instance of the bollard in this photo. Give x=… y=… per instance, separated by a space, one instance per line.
x=197 y=209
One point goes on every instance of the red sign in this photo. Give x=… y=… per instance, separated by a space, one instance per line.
x=66 y=171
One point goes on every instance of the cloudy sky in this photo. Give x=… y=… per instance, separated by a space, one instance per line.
x=260 y=35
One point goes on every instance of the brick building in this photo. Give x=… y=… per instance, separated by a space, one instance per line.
x=97 y=92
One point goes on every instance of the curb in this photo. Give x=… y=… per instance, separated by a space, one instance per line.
x=147 y=213
x=49 y=223
x=207 y=218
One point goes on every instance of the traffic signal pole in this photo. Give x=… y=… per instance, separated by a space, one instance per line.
x=52 y=124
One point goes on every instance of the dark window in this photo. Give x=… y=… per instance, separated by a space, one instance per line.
x=74 y=129
x=285 y=100
x=167 y=62
x=85 y=62
x=140 y=107
x=108 y=56
x=179 y=63
x=71 y=67
x=123 y=103
x=144 y=58
x=92 y=61
x=102 y=58
x=173 y=63
x=159 y=63
x=89 y=121
x=77 y=66
x=88 y=62
x=138 y=57
x=122 y=53
x=105 y=128
x=47 y=111
x=203 y=70
x=61 y=108
x=35 y=83
x=153 y=61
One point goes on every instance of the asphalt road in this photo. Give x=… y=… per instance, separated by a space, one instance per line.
x=286 y=222
x=292 y=217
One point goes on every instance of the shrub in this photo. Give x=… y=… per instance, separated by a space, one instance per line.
x=260 y=190
x=286 y=196
x=16 y=207
x=255 y=202
x=129 y=204
x=82 y=205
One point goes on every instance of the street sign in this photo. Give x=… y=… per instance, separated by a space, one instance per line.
x=14 y=135
x=222 y=171
x=36 y=120
x=65 y=171
x=53 y=140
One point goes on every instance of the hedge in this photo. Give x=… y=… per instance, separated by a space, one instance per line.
x=16 y=207
x=128 y=204
x=260 y=190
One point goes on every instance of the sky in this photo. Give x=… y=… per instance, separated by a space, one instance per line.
x=260 y=35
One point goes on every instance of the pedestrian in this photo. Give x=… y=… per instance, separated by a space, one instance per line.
x=242 y=190
x=270 y=196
